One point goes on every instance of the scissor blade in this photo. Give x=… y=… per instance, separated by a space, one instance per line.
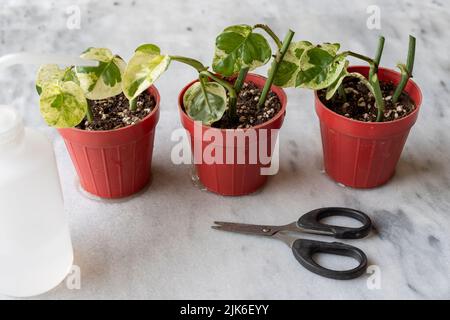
x=254 y=229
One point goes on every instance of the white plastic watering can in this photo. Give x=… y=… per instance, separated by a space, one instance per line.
x=35 y=246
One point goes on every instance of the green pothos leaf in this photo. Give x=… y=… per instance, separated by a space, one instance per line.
x=205 y=102
x=290 y=66
x=238 y=47
x=62 y=104
x=144 y=68
x=51 y=72
x=104 y=80
x=320 y=66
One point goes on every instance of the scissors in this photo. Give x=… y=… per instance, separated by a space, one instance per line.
x=304 y=249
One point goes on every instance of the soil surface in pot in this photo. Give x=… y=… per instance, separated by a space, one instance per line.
x=247 y=111
x=114 y=113
x=360 y=103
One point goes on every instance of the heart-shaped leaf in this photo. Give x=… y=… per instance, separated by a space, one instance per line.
x=238 y=47
x=51 y=72
x=144 y=68
x=290 y=66
x=63 y=104
x=320 y=66
x=104 y=80
x=205 y=102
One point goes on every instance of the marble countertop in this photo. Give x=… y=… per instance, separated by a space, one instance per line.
x=159 y=245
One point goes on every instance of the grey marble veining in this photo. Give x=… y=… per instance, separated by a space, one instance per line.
x=159 y=244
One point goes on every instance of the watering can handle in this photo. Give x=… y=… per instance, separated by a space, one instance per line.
x=38 y=59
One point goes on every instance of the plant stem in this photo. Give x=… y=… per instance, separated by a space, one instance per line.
x=411 y=54
x=378 y=97
x=341 y=92
x=274 y=68
x=270 y=32
x=407 y=71
x=133 y=104
x=203 y=81
x=373 y=83
x=359 y=56
x=228 y=86
x=89 y=115
x=374 y=67
x=240 y=79
x=374 y=86
x=197 y=65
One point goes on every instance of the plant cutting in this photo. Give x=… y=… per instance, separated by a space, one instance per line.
x=226 y=100
x=365 y=113
x=109 y=137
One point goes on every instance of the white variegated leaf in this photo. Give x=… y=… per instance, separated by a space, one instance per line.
x=206 y=104
x=102 y=81
x=238 y=47
x=288 y=68
x=320 y=66
x=97 y=54
x=62 y=104
x=144 y=68
x=331 y=90
x=51 y=72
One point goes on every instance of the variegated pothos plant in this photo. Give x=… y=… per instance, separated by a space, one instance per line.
x=64 y=92
x=239 y=49
x=321 y=66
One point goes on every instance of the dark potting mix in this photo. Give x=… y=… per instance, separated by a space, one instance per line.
x=248 y=114
x=114 y=112
x=359 y=103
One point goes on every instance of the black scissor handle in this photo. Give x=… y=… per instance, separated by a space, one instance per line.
x=304 y=250
x=311 y=223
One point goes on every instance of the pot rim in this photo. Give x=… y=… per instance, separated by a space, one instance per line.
x=280 y=91
x=152 y=90
x=387 y=70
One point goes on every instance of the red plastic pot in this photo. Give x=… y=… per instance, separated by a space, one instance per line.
x=235 y=179
x=114 y=163
x=364 y=154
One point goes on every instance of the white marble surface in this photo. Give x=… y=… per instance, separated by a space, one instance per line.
x=159 y=245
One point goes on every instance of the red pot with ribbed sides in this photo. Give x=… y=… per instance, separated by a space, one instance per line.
x=242 y=173
x=114 y=163
x=365 y=154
